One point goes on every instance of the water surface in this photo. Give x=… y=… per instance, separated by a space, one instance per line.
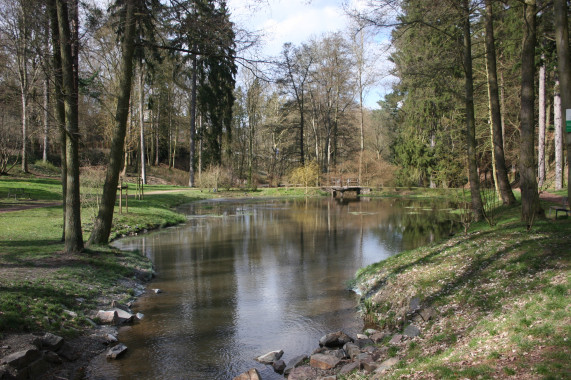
x=243 y=278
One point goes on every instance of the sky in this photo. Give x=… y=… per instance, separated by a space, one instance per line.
x=297 y=21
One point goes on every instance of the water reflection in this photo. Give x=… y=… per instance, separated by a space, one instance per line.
x=244 y=278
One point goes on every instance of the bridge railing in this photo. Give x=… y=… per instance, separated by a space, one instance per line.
x=343 y=182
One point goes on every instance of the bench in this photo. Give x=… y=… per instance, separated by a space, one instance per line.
x=18 y=193
x=563 y=208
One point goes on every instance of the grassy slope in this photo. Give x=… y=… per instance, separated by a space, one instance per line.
x=502 y=300
x=38 y=282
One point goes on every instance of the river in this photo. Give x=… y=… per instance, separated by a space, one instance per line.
x=245 y=277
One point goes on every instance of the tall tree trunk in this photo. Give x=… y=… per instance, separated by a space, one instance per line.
x=59 y=101
x=477 y=206
x=500 y=163
x=157 y=134
x=530 y=207
x=142 y=152
x=541 y=140
x=558 y=136
x=73 y=233
x=194 y=85
x=104 y=221
x=564 y=64
x=24 y=98
x=46 y=118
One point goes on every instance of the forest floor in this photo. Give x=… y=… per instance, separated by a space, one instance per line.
x=500 y=298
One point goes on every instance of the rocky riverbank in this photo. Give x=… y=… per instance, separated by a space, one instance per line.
x=338 y=355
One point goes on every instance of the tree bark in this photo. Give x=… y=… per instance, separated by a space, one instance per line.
x=46 y=119
x=477 y=206
x=530 y=207
x=104 y=221
x=496 y=116
x=558 y=136
x=142 y=152
x=194 y=85
x=564 y=64
x=541 y=139
x=73 y=233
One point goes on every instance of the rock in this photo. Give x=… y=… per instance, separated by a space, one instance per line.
x=352 y=350
x=340 y=353
x=118 y=305
x=279 y=366
x=347 y=368
x=323 y=361
x=37 y=369
x=157 y=291
x=252 y=374
x=51 y=342
x=80 y=300
x=110 y=338
x=364 y=357
x=336 y=339
x=370 y=332
x=414 y=304
x=21 y=359
x=362 y=343
x=362 y=336
x=93 y=324
x=270 y=357
x=396 y=339
x=124 y=316
x=108 y=317
x=115 y=351
x=320 y=350
x=378 y=337
x=72 y=314
x=302 y=373
x=386 y=365
x=139 y=316
x=294 y=362
x=427 y=314
x=68 y=352
x=51 y=357
x=411 y=331
x=369 y=366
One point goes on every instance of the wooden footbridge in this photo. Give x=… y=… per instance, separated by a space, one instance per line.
x=339 y=186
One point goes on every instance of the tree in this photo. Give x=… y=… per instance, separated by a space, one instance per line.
x=72 y=227
x=496 y=117
x=104 y=221
x=564 y=65
x=530 y=207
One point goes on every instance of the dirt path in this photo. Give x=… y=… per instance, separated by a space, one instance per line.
x=9 y=207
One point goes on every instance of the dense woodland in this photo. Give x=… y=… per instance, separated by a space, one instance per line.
x=477 y=99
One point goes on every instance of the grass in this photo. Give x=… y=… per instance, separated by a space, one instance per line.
x=502 y=297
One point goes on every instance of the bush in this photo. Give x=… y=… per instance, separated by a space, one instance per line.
x=307 y=175
x=214 y=177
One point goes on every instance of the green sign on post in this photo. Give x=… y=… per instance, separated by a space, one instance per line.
x=568 y=120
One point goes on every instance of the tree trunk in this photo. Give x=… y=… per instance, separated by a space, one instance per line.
x=59 y=101
x=541 y=140
x=558 y=136
x=24 y=98
x=73 y=233
x=496 y=116
x=564 y=64
x=142 y=152
x=104 y=221
x=477 y=206
x=530 y=207
x=46 y=119
x=194 y=84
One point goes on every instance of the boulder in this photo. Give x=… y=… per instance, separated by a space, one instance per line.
x=386 y=365
x=396 y=339
x=362 y=336
x=411 y=331
x=139 y=316
x=370 y=332
x=414 y=304
x=427 y=314
x=116 y=351
x=294 y=362
x=21 y=359
x=51 y=342
x=362 y=343
x=252 y=374
x=118 y=305
x=378 y=337
x=37 y=369
x=124 y=316
x=336 y=339
x=348 y=368
x=270 y=357
x=340 y=353
x=323 y=361
x=279 y=366
x=352 y=350
x=68 y=352
x=110 y=338
x=369 y=366
x=108 y=317
x=51 y=357
x=303 y=373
